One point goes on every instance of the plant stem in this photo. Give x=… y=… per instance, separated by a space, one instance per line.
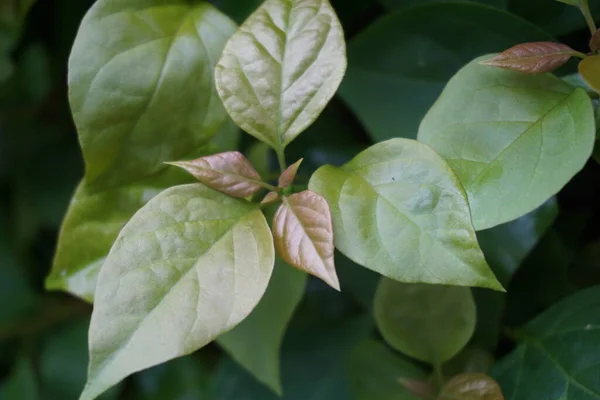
x=281 y=159
x=579 y=54
x=587 y=14
x=267 y=186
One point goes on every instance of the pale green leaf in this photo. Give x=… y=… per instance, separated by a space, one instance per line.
x=189 y=266
x=398 y=209
x=429 y=322
x=255 y=343
x=514 y=140
x=92 y=224
x=283 y=65
x=376 y=373
x=141 y=84
x=398 y=65
x=558 y=357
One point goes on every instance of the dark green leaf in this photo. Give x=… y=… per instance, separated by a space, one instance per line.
x=300 y=47
x=189 y=266
x=514 y=140
x=390 y=207
x=21 y=384
x=429 y=322
x=376 y=373
x=145 y=93
x=399 y=65
x=393 y=4
x=558 y=357
x=552 y=16
x=255 y=343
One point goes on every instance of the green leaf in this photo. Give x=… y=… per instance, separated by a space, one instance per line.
x=314 y=361
x=398 y=209
x=299 y=46
x=91 y=226
x=63 y=361
x=239 y=10
x=514 y=140
x=399 y=65
x=552 y=16
x=394 y=4
x=21 y=384
x=144 y=94
x=378 y=374
x=558 y=357
x=431 y=323
x=184 y=378
x=189 y=266
x=255 y=343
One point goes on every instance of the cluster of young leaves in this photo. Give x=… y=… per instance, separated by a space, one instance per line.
x=196 y=262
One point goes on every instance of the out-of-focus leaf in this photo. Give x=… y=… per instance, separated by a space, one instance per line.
x=595 y=41
x=589 y=69
x=256 y=342
x=393 y=4
x=399 y=65
x=376 y=373
x=429 y=322
x=469 y=360
x=195 y=263
x=300 y=46
x=230 y=173
x=474 y=386
x=532 y=57
x=21 y=384
x=552 y=16
x=152 y=75
x=386 y=203
x=356 y=280
x=63 y=363
x=184 y=378
x=558 y=357
x=303 y=234
x=314 y=362
x=511 y=159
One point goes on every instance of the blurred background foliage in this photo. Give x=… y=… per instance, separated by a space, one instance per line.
x=401 y=53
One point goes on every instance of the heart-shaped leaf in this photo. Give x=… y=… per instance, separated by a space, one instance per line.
x=431 y=323
x=589 y=68
x=398 y=209
x=474 y=386
x=289 y=175
x=255 y=343
x=281 y=68
x=189 y=266
x=533 y=57
x=513 y=139
x=151 y=76
x=559 y=353
x=303 y=234
x=230 y=173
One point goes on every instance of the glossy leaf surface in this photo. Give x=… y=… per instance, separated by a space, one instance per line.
x=398 y=209
x=230 y=173
x=145 y=94
x=589 y=68
x=532 y=57
x=255 y=343
x=398 y=66
x=189 y=266
x=558 y=357
x=431 y=323
x=471 y=387
x=376 y=373
x=299 y=45
x=303 y=234
x=514 y=140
